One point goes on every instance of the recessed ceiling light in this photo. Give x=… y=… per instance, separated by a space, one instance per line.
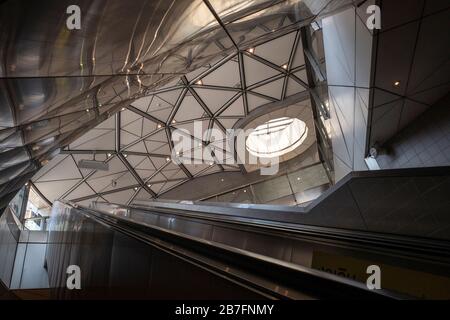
x=211 y=163
x=135 y=188
x=396 y=83
x=159 y=126
x=167 y=159
x=109 y=155
x=123 y=109
x=284 y=66
x=174 y=121
x=149 y=185
x=199 y=82
x=298 y=179
x=125 y=155
x=87 y=110
x=245 y=191
x=251 y=50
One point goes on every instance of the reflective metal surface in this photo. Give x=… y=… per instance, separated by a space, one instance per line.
x=56 y=84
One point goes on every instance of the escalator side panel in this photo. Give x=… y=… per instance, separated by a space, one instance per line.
x=116 y=266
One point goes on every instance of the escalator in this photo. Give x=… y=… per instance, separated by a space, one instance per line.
x=188 y=250
x=126 y=258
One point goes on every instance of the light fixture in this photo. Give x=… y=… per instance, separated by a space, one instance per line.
x=125 y=155
x=149 y=185
x=123 y=109
x=222 y=180
x=93 y=165
x=167 y=159
x=245 y=191
x=159 y=126
x=251 y=50
x=109 y=155
x=87 y=110
x=211 y=163
x=26 y=184
x=174 y=121
x=396 y=83
x=298 y=179
x=199 y=82
x=284 y=66
x=135 y=188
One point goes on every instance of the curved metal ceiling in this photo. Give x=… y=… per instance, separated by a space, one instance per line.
x=51 y=76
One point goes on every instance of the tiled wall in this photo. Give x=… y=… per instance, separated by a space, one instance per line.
x=424 y=143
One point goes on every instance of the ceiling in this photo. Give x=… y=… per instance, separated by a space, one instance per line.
x=412 y=48
x=136 y=143
x=50 y=75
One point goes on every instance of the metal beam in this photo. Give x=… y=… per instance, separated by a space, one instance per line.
x=145 y=115
x=135 y=175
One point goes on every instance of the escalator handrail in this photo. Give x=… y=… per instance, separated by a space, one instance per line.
x=334 y=284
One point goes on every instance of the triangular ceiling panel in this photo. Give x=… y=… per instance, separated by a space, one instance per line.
x=121 y=197
x=226 y=75
x=293 y=87
x=81 y=191
x=256 y=71
x=189 y=109
x=54 y=189
x=66 y=169
x=215 y=99
x=255 y=101
x=170 y=97
x=272 y=89
x=143 y=103
x=277 y=51
x=235 y=109
x=299 y=58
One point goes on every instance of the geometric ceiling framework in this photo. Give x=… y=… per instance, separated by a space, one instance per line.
x=136 y=142
x=50 y=76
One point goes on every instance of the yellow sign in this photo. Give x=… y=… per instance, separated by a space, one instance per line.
x=406 y=281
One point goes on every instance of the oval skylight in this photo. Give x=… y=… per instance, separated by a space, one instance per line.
x=276 y=137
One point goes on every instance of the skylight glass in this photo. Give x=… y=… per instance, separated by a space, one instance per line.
x=276 y=137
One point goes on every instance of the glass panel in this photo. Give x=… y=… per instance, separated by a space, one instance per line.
x=272 y=189
x=16 y=203
x=238 y=196
x=308 y=178
x=37 y=212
